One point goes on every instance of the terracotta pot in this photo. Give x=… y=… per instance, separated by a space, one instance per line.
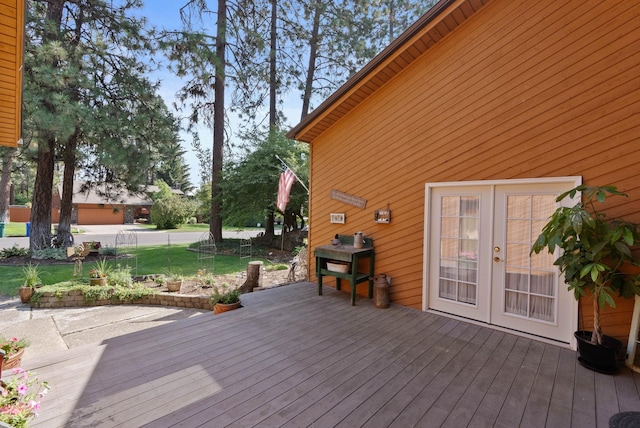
x=174 y=285
x=14 y=361
x=98 y=281
x=219 y=308
x=25 y=294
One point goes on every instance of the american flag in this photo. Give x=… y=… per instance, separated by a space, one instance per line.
x=284 y=188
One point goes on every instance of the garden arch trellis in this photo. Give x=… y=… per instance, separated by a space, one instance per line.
x=127 y=250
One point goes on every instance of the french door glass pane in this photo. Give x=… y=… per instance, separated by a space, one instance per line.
x=459 y=231
x=530 y=286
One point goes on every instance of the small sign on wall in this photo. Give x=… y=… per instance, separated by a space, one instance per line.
x=382 y=216
x=337 y=218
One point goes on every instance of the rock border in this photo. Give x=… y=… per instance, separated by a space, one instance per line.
x=74 y=298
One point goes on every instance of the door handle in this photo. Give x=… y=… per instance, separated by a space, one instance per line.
x=497 y=259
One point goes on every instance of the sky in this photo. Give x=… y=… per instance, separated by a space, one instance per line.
x=166 y=14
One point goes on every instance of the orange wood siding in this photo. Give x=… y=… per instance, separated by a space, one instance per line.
x=519 y=90
x=11 y=51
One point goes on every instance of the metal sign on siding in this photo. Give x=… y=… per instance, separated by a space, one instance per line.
x=348 y=199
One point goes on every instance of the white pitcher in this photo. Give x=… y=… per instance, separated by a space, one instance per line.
x=358 y=239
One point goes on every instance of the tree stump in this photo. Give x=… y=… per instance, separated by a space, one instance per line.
x=253 y=277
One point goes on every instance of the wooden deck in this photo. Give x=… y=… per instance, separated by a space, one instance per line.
x=293 y=358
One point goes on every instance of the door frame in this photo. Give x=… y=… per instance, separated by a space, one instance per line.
x=570 y=181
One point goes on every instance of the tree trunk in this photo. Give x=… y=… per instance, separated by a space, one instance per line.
x=5 y=183
x=66 y=202
x=273 y=81
x=313 y=51
x=42 y=195
x=269 y=228
x=253 y=277
x=596 y=336
x=215 y=226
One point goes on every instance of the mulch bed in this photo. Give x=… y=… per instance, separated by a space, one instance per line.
x=25 y=260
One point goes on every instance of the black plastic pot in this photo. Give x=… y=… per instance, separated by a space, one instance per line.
x=600 y=358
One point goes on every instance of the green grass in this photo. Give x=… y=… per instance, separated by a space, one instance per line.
x=15 y=229
x=151 y=259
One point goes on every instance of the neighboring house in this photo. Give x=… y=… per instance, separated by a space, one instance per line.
x=467 y=127
x=95 y=207
x=11 y=54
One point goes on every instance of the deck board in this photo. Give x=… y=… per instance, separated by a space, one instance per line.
x=292 y=358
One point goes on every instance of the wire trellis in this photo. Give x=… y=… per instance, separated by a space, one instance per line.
x=207 y=252
x=127 y=250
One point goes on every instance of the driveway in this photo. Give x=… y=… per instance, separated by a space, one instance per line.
x=106 y=234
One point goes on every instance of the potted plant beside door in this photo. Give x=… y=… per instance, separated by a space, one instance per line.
x=595 y=254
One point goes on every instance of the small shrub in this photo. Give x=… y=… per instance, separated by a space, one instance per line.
x=50 y=253
x=108 y=251
x=14 y=251
x=120 y=276
x=277 y=266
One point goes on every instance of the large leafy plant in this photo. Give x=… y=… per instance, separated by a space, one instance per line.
x=594 y=249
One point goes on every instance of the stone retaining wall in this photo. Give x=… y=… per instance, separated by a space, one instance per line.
x=74 y=298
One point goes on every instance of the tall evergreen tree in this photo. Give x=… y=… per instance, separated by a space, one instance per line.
x=88 y=101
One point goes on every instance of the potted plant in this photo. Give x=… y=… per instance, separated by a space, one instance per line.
x=594 y=251
x=173 y=282
x=31 y=278
x=13 y=350
x=98 y=274
x=19 y=398
x=225 y=298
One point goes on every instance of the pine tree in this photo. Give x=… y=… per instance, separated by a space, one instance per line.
x=88 y=101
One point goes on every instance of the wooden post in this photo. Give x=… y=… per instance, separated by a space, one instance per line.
x=253 y=277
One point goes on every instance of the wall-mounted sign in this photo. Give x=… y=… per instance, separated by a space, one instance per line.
x=382 y=215
x=348 y=199
x=337 y=218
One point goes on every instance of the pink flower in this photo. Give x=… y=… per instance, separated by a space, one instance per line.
x=23 y=388
x=34 y=405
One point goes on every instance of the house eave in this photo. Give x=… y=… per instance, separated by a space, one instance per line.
x=433 y=26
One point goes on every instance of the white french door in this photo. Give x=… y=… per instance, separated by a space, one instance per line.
x=478 y=266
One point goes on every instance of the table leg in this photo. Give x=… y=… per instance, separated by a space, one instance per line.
x=319 y=275
x=354 y=279
x=371 y=273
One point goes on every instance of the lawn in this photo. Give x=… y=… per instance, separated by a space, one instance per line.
x=151 y=259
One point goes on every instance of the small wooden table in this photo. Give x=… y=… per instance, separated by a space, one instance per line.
x=345 y=252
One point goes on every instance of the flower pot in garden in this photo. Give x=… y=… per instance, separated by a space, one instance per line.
x=98 y=281
x=219 y=308
x=25 y=294
x=13 y=361
x=601 y=358
x=174 y=285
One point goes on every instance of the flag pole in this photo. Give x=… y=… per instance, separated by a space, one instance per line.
x=294 y=174
x=299 y=181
